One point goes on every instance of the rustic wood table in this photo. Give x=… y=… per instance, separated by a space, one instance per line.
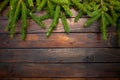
x=79 y=55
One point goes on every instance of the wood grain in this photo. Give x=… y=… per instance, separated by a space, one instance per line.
x=74 y=27
x=65 y=55
x=81 y=55
x=59 y=70
x=10 y=79
x=103 y=79
x=58 y=40
x=71 y=79
x=59 y=78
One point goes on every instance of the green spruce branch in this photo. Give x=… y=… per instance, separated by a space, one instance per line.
x=106 y=11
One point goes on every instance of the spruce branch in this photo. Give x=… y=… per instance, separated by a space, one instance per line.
x=103 y=11
x=24 y=21
x=18 y=10
x=3 y=5
x=55 y=20
x=107 y=11
x=53 y=12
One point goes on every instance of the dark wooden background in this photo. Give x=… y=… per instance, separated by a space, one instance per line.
x=81 y=55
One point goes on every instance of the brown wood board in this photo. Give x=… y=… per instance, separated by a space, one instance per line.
x=59 y=78
x=63 y=55
x=58 y=40
x=59 y=70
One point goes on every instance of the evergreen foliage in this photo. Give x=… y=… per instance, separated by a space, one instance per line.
x=107 y=11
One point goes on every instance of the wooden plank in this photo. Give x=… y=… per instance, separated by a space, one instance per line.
x=60 y=55
x=74 y=27
x=22 y=70
x=53 y=79
x=70 y=79
x=103 y=79
x=59 y=78
x=43 y=79
x=58 y=40
x=10 y=79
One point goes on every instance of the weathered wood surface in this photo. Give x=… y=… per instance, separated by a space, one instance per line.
x=71 y=79
x=59 y=70
x=80 y=55
x=59 y=78
x=58 y=40
x=67 y=55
